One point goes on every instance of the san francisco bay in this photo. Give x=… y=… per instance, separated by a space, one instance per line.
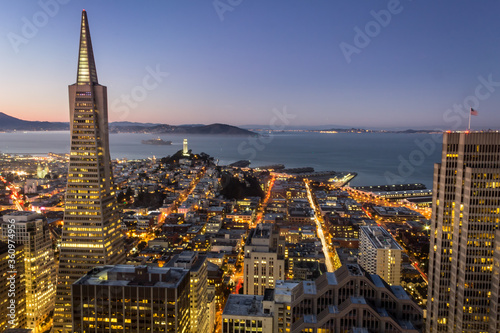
x=378 y=158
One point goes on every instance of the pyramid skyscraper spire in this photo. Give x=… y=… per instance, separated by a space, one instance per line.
x=86 y=65
x=91 y=235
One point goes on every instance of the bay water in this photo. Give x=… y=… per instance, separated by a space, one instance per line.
x=378 y=158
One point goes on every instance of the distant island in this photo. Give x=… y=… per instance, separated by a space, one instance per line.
x=156 y=142
x=9 y=124
x=213 y=129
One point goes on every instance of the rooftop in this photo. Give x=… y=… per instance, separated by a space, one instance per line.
x=380 y=238
x=377 y=281
x=332 y=278
x=21 y=216
x=399 y=292
x=354 y=270
x=261 y=231
x=188 y=260
x=347 y=255
x=137 y=276
x=309 y=287
x=283 y=287
x=245 y=305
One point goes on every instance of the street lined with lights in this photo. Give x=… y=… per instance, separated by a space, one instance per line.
x=326 y=251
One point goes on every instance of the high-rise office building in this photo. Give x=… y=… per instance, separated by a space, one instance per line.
x=91 y=235
x=264 y=261
x=466 y=213
x=495 y=287
x=380 y=254
x=127 y=298
x=32 y=231
x=12 y=287
x=198 y=294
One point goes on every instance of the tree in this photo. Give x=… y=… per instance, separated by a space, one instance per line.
x=142 y=245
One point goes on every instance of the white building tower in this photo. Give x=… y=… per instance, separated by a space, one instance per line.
x=185 y=151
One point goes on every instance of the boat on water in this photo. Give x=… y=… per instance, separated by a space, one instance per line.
x=157 y=141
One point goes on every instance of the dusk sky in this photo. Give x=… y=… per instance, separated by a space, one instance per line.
x=235 y=63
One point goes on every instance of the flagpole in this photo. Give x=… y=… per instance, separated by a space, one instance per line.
x=470 y=114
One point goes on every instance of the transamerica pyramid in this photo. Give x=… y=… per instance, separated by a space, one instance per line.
x=91 y=235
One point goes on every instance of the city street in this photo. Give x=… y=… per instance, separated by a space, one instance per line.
x=319 y=230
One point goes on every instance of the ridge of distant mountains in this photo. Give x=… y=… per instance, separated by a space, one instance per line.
x=9 y=123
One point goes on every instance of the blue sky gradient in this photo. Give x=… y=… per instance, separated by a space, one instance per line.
x=263 y=55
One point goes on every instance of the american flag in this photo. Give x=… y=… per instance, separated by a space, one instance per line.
x=473 y=112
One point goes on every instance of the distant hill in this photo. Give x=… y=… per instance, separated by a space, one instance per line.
x=130 y=123
x=9 y=123
x=219 y=129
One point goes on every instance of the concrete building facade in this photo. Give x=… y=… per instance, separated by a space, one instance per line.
x=264 y=261
x=380 y=254
x=347 y=300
